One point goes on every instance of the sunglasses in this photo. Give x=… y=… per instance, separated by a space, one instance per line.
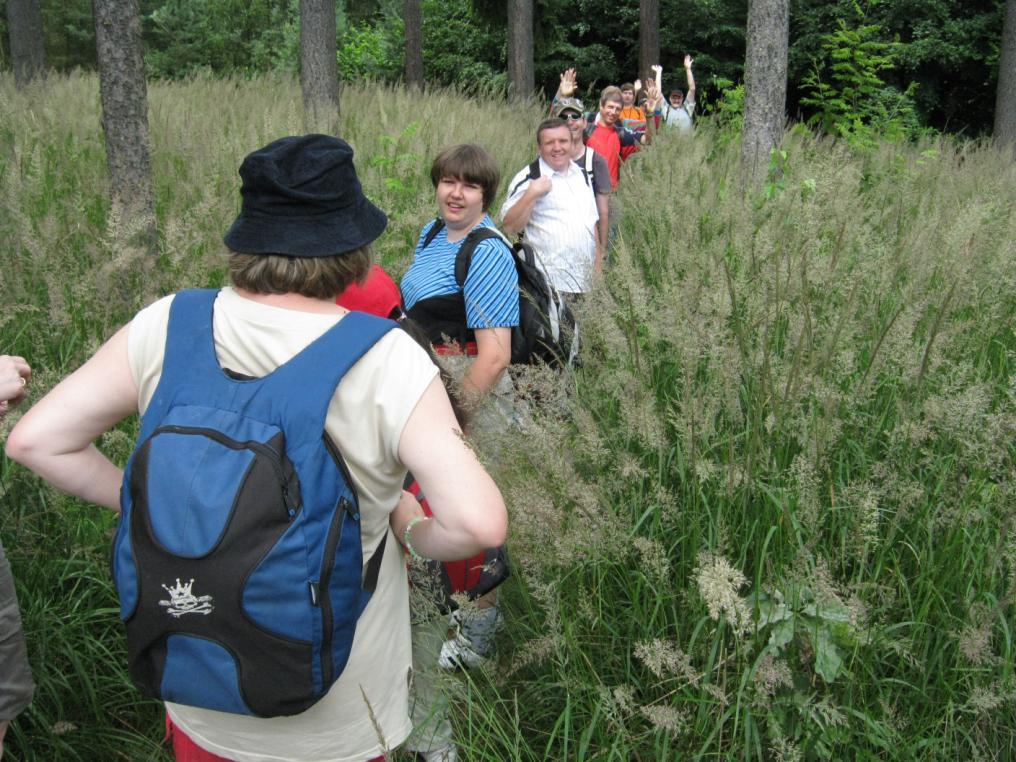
x=571 y=116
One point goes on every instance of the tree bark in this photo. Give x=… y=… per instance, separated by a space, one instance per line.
x=125 y=114
x=649 y=36
x=28 y=51
x=765 y=86
x=521 y=75
x=412 y=19
x=1005 y=96
x=319 y=76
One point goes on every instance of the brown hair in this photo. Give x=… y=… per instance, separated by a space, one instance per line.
x=550 y=124
x=627 y=86
x=610 y=93
x=471 y=164
x=316 y=277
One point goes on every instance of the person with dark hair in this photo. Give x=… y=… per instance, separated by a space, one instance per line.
x=473 y=319
x=680 y=108
x=552 y=202
x=16 y=685
x=632 y=116
x=303 y=235
x=591 y=163
x=469 y=325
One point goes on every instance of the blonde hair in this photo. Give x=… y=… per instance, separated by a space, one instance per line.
x=316 y=277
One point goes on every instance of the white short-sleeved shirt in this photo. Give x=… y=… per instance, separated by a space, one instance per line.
x=680 y=117
x=366 y=418
x=562 y=226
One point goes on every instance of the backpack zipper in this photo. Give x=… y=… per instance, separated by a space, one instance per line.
x=269 y=453
x=320 y=595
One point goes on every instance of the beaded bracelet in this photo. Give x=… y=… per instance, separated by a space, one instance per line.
x=406 y=534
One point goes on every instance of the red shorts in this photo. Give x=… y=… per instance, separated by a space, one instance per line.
x=185 y=750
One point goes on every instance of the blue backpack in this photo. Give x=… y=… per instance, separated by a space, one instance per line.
x=237 y=558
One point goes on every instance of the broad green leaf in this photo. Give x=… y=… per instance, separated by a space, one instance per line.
x=782 y=633
x=827 y=656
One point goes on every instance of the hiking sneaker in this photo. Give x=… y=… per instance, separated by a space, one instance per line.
x=447 y=754
x=473 y=643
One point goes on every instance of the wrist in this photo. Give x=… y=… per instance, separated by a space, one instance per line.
x=407 y=536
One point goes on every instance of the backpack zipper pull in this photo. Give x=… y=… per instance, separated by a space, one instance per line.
x=289 y=502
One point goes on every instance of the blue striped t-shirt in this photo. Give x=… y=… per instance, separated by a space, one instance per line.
x=491 y=287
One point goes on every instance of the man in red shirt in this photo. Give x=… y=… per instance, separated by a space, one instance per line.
x=605 y=133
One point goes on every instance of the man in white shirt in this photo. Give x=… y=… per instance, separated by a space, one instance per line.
x=680 y=108
x=551 y=201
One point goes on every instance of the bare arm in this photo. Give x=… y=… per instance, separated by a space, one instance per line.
x=469 y=512
x=688 y=60
x=517 y=217
x=494 y=352
x=602 y=230
x=54 y=438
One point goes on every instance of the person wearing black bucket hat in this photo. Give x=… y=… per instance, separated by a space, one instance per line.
x=302 y=198
x=303 y=234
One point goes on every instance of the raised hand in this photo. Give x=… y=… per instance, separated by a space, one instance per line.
x=657 y=69
x=688 y=61
x=638 y=85
x=540 y=186
x=569 y=83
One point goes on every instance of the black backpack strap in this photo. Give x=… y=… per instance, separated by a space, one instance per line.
x=465 y=256
x=534 y=172
x=436 y=228
x=373 y=569
x=587 y=167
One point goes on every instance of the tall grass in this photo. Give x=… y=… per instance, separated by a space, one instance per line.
x=771 y=517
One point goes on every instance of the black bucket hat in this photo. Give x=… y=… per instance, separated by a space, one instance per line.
x=302 y=198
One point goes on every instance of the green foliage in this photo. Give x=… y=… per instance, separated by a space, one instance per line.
x=729 y=109
x=771 y=516
x=183 y=37
x=371 y=52
x=849 y=96
x=820 y=627
x=949 y=48
x=459 y=48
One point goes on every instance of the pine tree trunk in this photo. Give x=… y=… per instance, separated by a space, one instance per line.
x=649 y=36
x=125 y=114
x=765 y=86
x=28 y=54
x=412 y=19
x=1005 y=96
x=319 y=76
x=521 y=77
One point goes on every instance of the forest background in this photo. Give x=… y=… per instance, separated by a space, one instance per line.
x=772 y=516
x=941 y=54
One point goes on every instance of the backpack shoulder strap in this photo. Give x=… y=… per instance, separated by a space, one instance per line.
x=465 y=255
x=534 y=172
x=432 y=233
x=189 y=344
x=587 y=169
x=189 y=354
x=307 y=382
